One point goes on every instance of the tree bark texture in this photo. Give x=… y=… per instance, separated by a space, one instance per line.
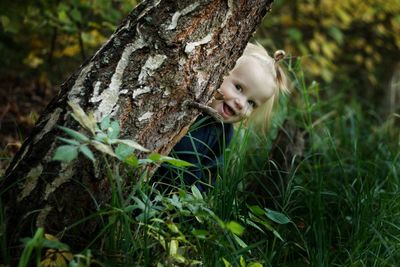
x=164 y=55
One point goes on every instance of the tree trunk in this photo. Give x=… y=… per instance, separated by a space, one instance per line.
x=164 y=54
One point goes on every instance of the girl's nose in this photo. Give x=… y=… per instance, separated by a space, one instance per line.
x=239 y=103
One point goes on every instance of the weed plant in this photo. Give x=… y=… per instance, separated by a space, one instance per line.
x=335 y=202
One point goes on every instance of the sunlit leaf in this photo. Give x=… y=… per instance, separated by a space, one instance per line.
x=257 y=210
x=235 y=227
x=254 y=264
x=226 y=263
x=200 y=233
x=242 y=262
x=173 y=247
x=132 y=160
x=155 y=157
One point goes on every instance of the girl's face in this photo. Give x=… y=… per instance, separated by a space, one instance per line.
x=247 y=87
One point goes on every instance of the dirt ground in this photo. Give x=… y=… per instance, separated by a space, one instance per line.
x=21 y=102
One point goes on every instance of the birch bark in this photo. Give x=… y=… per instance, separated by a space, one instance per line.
x=164 y=54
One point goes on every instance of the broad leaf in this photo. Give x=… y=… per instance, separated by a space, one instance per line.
x=105 y=123
x=66 y=153
x=277 y=216
x=114 y=130
x=235 y=227
x=123 y=151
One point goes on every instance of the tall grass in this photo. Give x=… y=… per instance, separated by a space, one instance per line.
x=340 y=191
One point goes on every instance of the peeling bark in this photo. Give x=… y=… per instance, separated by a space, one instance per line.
x=165 y=53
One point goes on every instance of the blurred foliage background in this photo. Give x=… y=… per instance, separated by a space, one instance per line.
x=50 y=38
x=351 y=46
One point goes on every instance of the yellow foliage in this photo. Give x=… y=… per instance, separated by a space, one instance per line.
x=32 y=60
x=350 y=32
x=55 y=257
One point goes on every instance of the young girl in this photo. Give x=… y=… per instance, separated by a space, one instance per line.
x=250 y=90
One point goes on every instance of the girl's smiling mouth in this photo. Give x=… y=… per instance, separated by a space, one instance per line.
x=228 y=111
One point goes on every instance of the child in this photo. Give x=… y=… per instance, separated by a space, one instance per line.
x=250 y=89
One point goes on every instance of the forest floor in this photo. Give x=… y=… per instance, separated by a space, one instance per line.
x=21 y=103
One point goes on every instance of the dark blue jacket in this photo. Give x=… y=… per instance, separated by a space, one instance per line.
x=203 y=147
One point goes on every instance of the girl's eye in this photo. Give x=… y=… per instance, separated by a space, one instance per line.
x=252 y=103
x=239 y=88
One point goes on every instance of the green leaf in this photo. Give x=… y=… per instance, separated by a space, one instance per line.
x=155 y=157
x=295 y=34
x=140 y=203
x=235 y=227
x=226 y=263
x=176 y=162
x=105 y=123
x=132 y=144
x=336 y=34
x=277 y=216
x=101 y=137
x=123 y=151
x=240 y=242
x=8 y=25
x=242 y=262
x=175 y=201
x=266 y=225
x=172 y=226
x=251 y=223
x=132 y=160
x=66 y=153
x=76 y=15
x=257 y=210
x=69 y=141
x=87 y=152
x=196 y=192
x=74 y=134
x=114 y=130
x=199 y=233
x=255 y=264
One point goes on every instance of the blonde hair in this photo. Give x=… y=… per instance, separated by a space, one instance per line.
x=260 y=118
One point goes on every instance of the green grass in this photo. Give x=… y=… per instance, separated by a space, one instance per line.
x=341 y=195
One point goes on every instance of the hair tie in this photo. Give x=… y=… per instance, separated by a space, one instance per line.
x=279 y=55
